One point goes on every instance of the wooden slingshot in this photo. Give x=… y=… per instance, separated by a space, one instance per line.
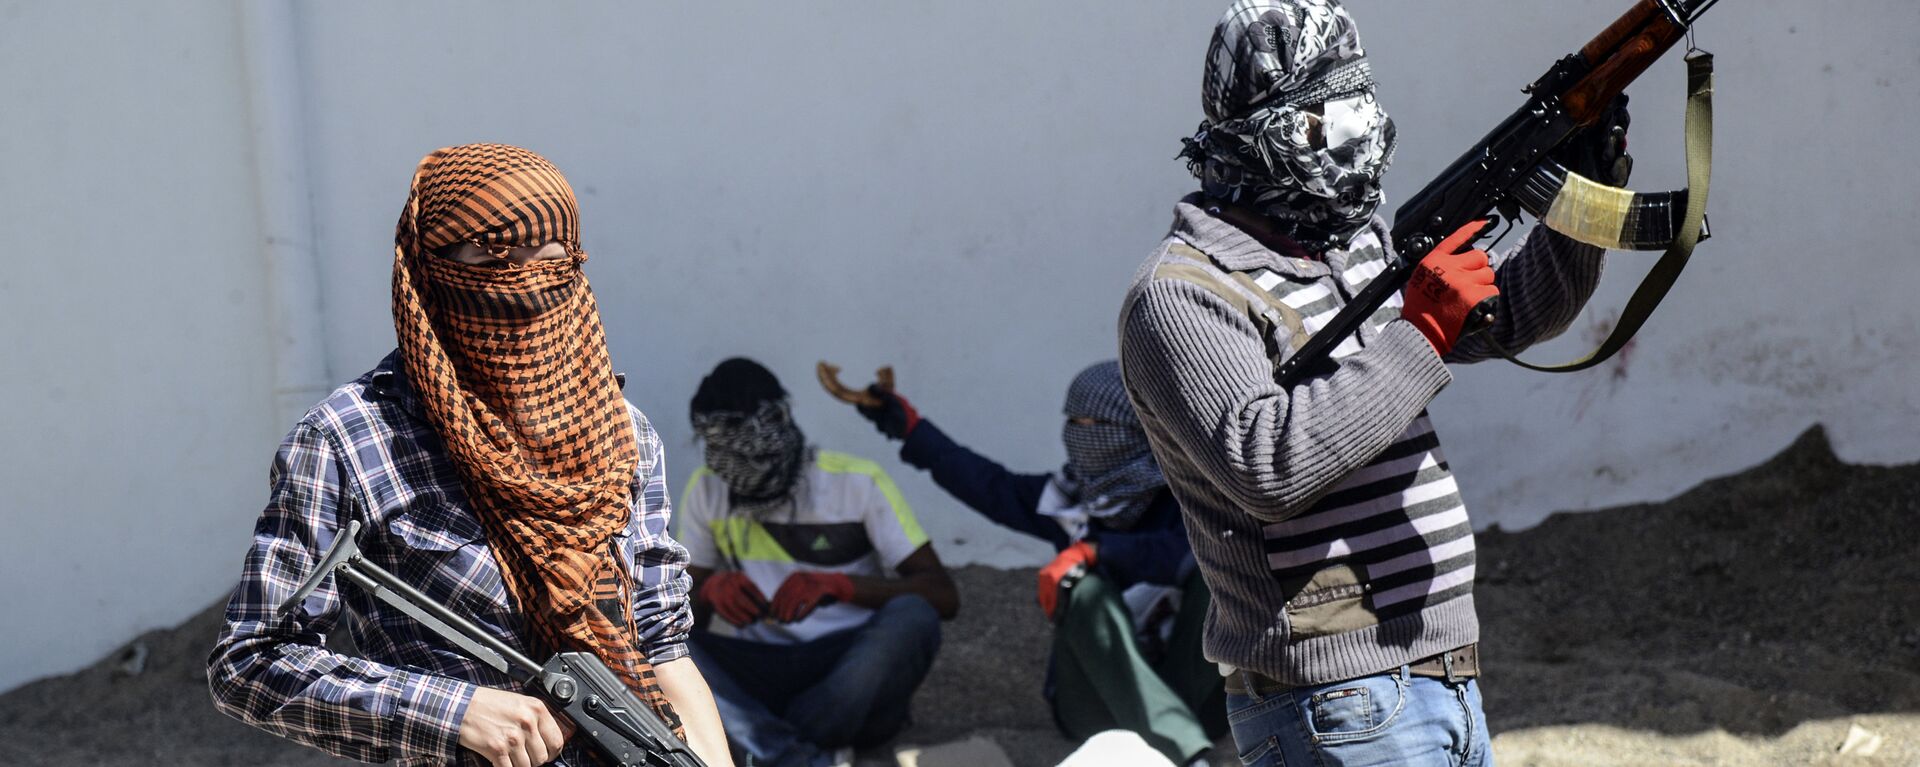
x=830 y=380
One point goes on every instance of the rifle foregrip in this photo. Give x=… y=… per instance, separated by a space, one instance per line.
x=1618 y=66
x=1597 y=49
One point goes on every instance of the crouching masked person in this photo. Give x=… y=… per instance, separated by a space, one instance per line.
x=1323 y=513
x=829 y=595
x=495 y=466
x=1127 y=604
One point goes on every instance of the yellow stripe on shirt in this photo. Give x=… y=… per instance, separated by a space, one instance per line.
x=841 y=463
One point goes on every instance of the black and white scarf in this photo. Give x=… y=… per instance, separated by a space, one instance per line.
x=1293 y=129
x=759 y=455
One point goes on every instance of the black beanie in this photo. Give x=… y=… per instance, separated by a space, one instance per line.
x=737 y=385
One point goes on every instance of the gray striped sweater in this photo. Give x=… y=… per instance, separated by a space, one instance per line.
x=1324 y=517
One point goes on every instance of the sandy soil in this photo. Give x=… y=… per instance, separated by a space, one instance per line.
x=1756 y=619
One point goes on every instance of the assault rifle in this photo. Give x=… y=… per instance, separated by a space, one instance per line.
x=618 y=725
x=1511 y=170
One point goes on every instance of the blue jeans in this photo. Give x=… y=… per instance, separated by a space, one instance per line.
x=784 y=704
x=1392 y=718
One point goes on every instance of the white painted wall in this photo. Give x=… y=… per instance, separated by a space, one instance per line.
x=134 y=313
x=960 y=190
x=1799 y=311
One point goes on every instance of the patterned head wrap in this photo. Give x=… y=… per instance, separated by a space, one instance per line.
x=1293 y=128
x=742 y=415
x=758 y=454
x=1110 y=468
x=511 y=365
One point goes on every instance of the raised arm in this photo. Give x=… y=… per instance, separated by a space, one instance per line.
x=1006 y=497
x=1544 y=280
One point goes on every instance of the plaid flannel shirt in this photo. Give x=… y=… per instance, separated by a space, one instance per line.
x=368 y=453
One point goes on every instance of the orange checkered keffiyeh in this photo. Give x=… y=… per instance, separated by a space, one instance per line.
x=511 y=364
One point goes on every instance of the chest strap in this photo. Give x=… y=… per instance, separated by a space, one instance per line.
x=1261 y=307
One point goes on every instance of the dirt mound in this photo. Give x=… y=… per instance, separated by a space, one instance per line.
x=1751 y=620
x=144 y=705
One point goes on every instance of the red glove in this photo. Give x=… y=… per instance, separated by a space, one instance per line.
x=802 y=592
x=1078 y=557
x=733 y=596
x=1445 y=287
x=895 y=417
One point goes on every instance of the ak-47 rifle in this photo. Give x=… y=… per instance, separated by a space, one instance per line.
x=578 y=684
x=1511 y=170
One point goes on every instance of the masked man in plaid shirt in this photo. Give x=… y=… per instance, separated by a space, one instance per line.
x=496 y=467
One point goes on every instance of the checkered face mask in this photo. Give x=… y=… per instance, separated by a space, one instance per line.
x=512 y=368
x=1110 y=469
x=759 y=455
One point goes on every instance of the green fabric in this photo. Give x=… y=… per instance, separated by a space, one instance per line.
x=1194 y=678
x=1102 y=681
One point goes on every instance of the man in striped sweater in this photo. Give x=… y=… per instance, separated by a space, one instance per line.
x=1323 y=515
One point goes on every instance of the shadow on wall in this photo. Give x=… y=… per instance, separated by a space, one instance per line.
x=1751 y=604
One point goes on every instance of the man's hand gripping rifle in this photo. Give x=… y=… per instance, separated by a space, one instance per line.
x=1511 y=170
x=577 y=684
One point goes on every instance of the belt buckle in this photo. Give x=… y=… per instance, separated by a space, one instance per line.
x=1452 y=665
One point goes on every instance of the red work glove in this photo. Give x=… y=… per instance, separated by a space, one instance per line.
x=1452 y=279
x=895 y=417
x=733 y=597
x=1078 y=557
x=802 y=592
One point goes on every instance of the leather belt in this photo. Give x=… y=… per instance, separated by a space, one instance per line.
x=1459 y=663
x=1453 y=664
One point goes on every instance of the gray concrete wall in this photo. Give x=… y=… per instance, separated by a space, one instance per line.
x=134 y=317
x=959 y=190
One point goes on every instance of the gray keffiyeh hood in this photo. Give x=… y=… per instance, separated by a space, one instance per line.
x=1293 y=129
x=1110 y=470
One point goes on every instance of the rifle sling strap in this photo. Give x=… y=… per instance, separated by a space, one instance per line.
x=1699 y=138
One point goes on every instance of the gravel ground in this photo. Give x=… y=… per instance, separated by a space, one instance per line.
x=1755 y=619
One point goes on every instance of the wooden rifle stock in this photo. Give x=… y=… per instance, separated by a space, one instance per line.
x=1619 y=55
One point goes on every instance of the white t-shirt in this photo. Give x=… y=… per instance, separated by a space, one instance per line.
x=853 y=521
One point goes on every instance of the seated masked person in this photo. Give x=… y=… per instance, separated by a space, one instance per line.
x=1125 y=597
x=828 y=593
